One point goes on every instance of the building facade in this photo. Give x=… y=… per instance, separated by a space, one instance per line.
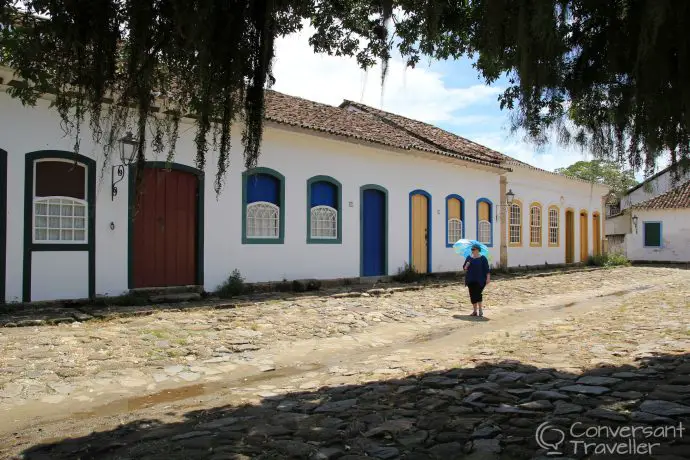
x=337 y=194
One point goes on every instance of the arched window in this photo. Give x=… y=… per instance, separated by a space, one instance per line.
x=535 y=229
x=324 y=204
x=455 y=216
x=263 y=197
x=485 y=221
x=554 y=226
x=60 y=202
x=515 y=224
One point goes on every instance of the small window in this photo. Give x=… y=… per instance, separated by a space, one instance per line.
x=515 y=224
x=554 y=226
x=60 y=209
x=652 y=234
x=324 y=222
x=263 y=200
x=484 y=232
x=454 y=230
x=535 y=225
x=263 y=220
x=323 y=208
x=484 y=227
x=454 y=219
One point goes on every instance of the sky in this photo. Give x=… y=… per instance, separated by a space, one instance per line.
x=448 y=94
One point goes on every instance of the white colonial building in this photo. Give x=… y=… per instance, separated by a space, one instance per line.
x=651 y=222
x=340 y=192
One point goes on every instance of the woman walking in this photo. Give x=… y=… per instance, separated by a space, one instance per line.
x=477 y=277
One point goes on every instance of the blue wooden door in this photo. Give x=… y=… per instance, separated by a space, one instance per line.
x=373 y=233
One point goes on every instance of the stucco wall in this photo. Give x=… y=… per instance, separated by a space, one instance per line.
x=531 y=186
x=296 y=155
x=675 y=236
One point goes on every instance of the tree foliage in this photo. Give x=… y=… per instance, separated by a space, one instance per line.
x=612 y=76
x=602 y=172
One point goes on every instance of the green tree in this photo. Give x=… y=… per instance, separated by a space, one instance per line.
x=611 y=76
x=602 y=172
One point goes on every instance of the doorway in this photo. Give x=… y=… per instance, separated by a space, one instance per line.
x=569 y=236
x=584 y=237
x=420 y=219
x=374 y=232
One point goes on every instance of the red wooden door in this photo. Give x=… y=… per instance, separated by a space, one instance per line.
x=165 y=230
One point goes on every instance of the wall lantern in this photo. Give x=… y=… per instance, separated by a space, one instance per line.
x=508 y=201
x=128 y=150
x=634 y=220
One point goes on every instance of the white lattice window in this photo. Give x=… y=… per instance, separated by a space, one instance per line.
x=515 y=224
x=59 y=219
x=324 y=223
x=484 y=232
x=553 y=226
x=454 y=230
x=535 y=225
x=263 y=220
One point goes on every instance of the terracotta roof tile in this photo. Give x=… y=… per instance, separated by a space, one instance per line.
x=678 y=197
x=435 y=136
x=303 y=113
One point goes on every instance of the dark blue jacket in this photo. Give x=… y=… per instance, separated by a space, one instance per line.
x=477 y=271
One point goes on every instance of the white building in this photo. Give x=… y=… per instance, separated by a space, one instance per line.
x=340 y=192
x=651 y=222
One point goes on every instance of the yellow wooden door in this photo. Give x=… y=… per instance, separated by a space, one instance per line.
x=420 y=227
x=569 y=237
x=584 y=237
x=596 y=234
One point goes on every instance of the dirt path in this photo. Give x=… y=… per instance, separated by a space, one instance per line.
x=556 y=324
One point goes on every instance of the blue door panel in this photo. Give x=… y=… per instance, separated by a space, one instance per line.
x=373 y=233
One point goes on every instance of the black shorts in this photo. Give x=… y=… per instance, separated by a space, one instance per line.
x=475 y=292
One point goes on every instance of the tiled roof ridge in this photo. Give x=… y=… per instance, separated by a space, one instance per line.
x=676 y=198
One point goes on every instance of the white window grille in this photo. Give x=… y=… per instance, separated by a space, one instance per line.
x=454 y=230
x=553 y=226
x=263 y=220
x=59 y=220
x=515 y=224
x=535 y=225
x=324 y=223
x=484 y=234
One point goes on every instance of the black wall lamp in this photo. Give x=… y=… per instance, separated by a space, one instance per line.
x=128 y=150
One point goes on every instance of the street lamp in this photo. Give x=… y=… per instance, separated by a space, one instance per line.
x=508 y=201
x=634 y=220
x=128 y=150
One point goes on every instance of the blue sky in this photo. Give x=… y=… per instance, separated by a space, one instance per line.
x=448 y=94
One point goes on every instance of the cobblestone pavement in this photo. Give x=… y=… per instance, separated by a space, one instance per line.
x=349 y=377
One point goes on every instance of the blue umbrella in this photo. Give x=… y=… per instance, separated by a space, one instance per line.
x=464 y=248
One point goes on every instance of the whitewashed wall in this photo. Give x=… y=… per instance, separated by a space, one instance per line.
x=296 y=155
x=675 y=236
x=530 y=186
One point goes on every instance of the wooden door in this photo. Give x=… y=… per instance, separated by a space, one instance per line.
x=166 y=229
x=374 y=239
x=584 y=237
x=569 y=237
x=420 y=233
x=596 y=234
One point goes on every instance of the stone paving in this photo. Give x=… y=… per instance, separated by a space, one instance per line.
x=549 y=340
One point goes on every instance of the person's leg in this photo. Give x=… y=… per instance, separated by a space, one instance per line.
x=480 y=300
x=473 y=297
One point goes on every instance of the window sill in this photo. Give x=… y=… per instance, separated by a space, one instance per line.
x=262 y=240
x=324 y=241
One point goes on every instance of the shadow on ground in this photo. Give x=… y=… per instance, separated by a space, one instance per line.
x=486 y=412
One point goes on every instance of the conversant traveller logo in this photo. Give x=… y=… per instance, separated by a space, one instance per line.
x=583 y=439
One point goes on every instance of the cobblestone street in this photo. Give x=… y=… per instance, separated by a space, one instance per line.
x=388 y=373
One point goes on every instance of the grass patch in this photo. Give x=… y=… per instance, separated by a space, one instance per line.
x=407 y=274
x=233 y=286
x=608 y=260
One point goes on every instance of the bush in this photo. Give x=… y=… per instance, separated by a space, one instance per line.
x=232 y=286
x=407 y=274
x=608 y=260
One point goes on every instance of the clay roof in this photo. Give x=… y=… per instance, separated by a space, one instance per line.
x=433 y=135
x=678 y=197
x=303 y=113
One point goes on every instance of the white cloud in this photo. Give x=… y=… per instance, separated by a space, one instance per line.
x=417 y=93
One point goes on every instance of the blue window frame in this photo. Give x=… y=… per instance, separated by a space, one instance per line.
x=485 y=227
x=324 y=211
x=263 y=206
x=449 y=224
x=652 y=234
